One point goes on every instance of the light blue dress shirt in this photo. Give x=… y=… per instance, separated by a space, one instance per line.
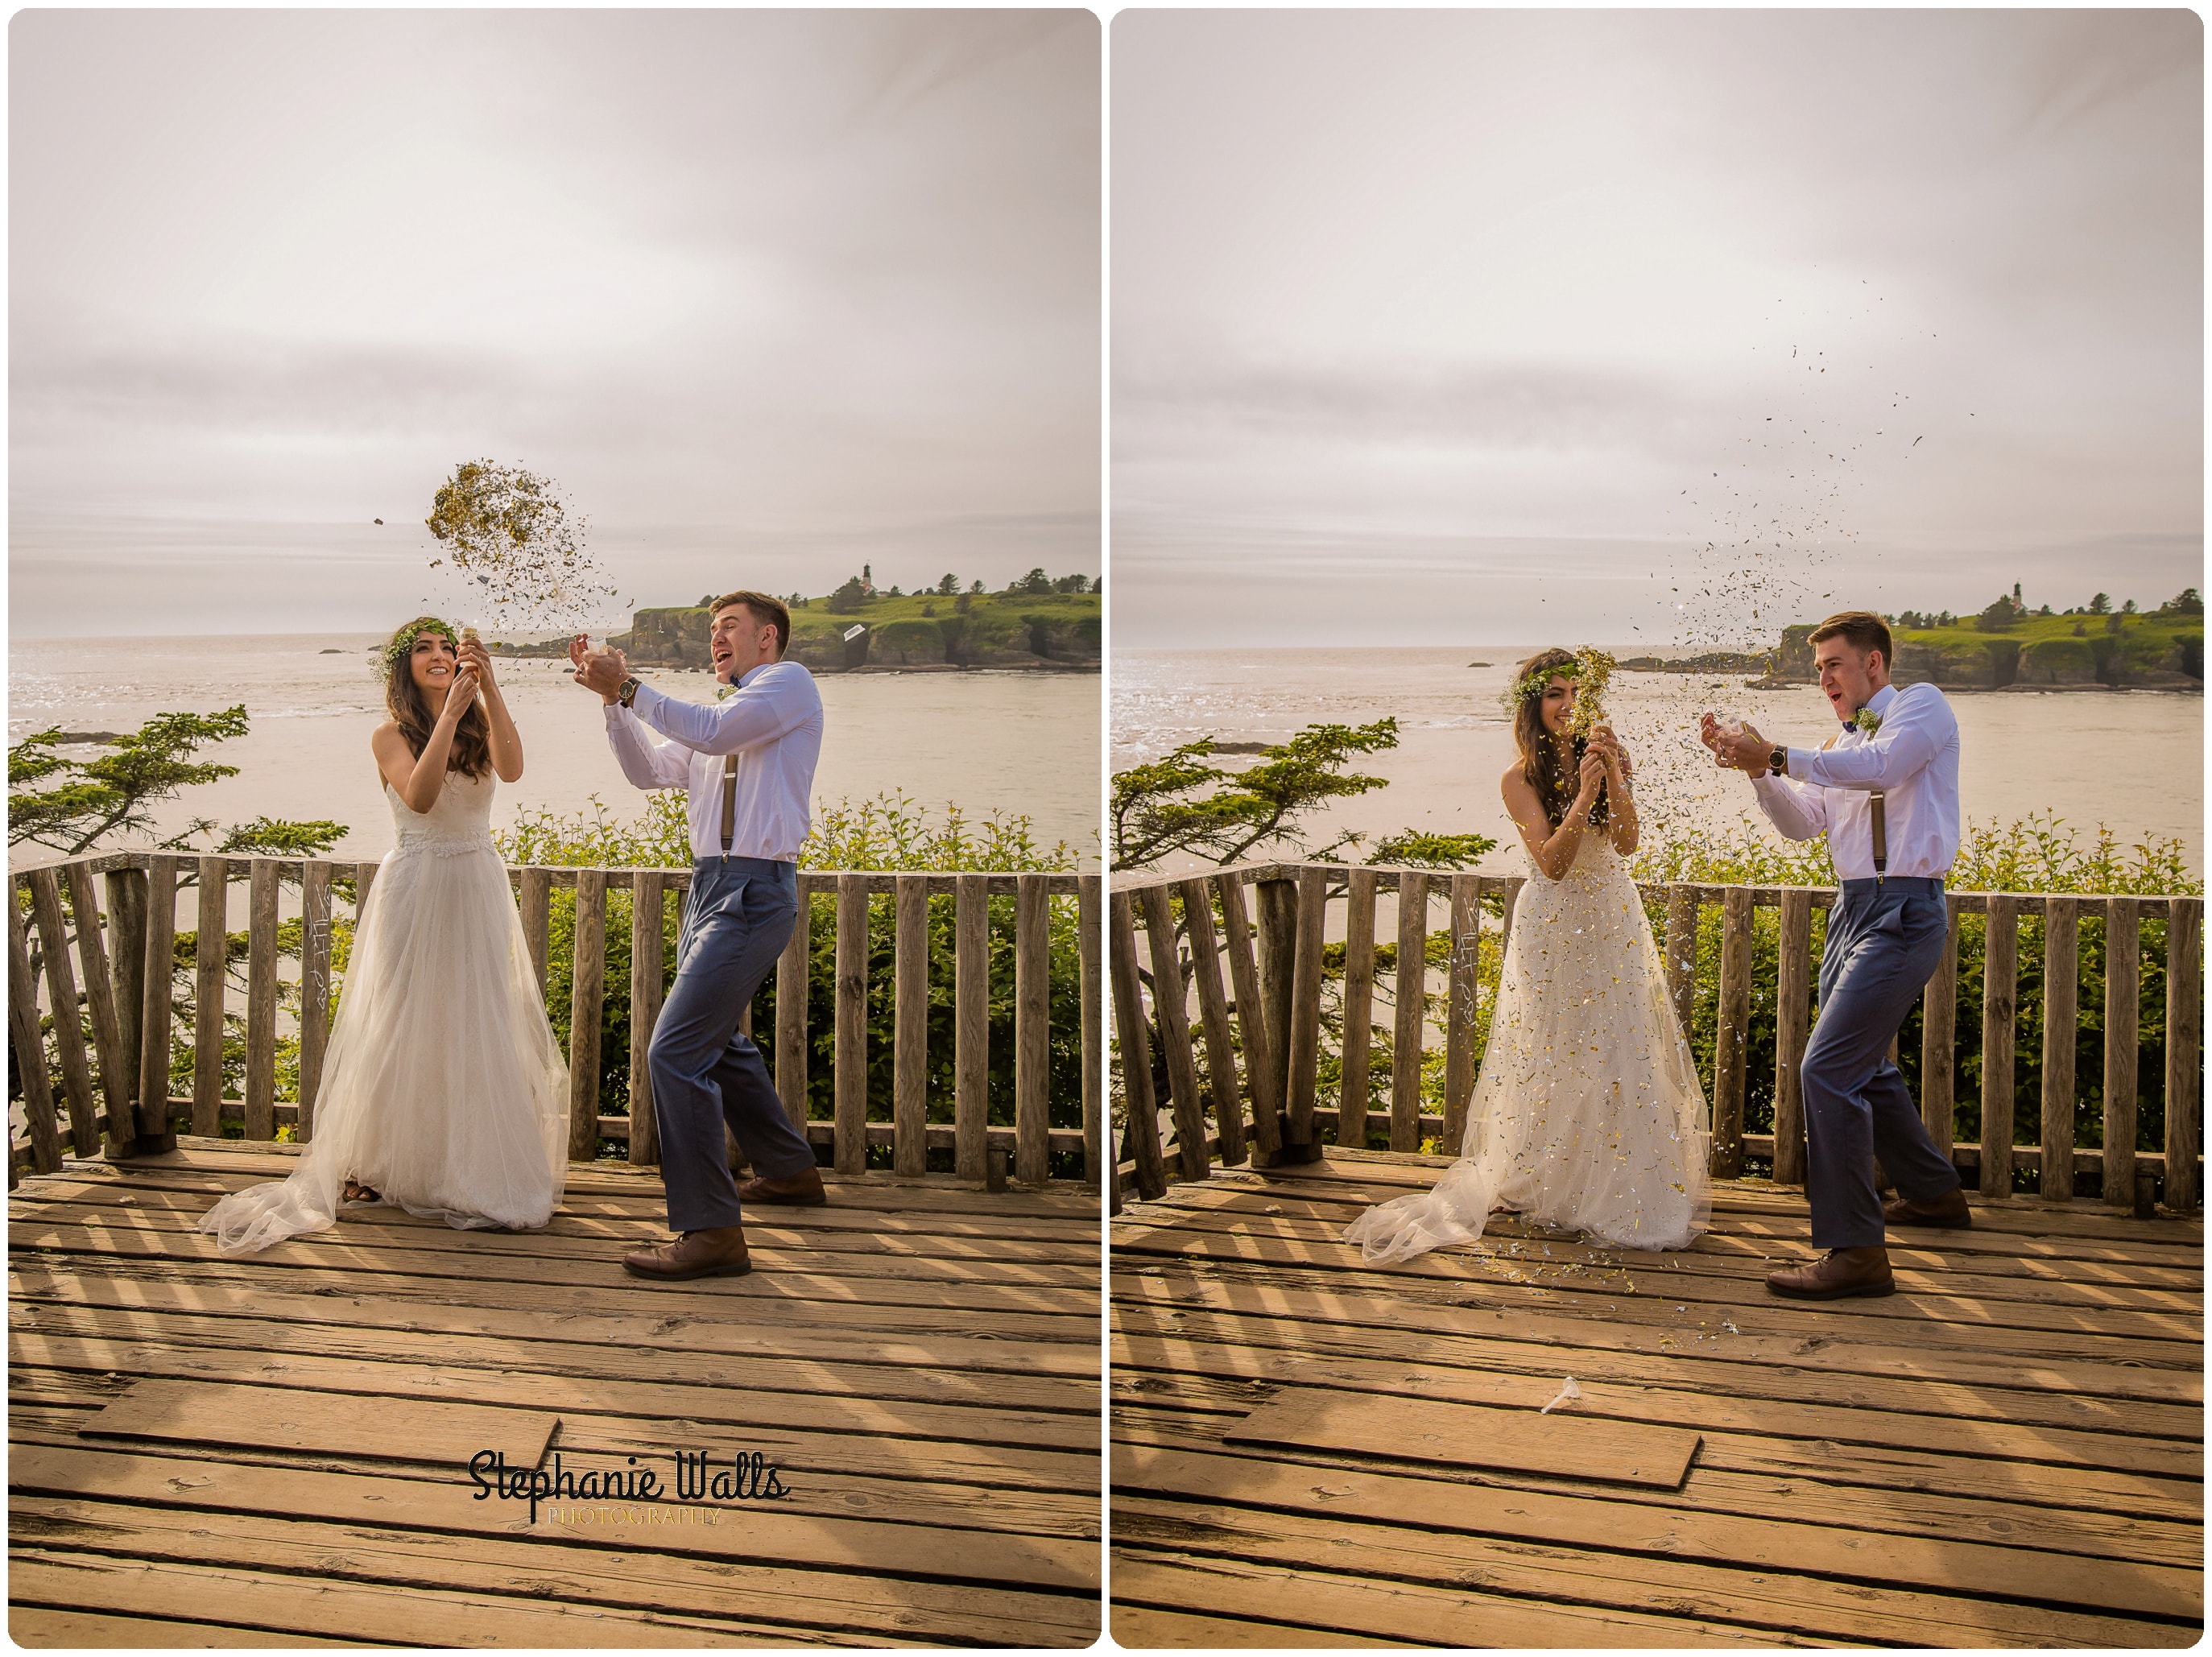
x=1912 y=758
x=772 y=722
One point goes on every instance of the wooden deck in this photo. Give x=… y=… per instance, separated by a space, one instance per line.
x=286 y=1463
x=2008 y=1451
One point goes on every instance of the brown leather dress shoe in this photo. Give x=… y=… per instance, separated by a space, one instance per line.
x=1948 y=1209
x=1838 y=1273
x=792 y=1188
x=717 y=1251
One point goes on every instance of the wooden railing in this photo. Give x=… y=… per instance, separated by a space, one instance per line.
x=1224 y=1007
x=116 y=977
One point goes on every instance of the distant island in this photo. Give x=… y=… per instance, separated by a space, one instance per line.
x=1037 y=623
x=2005 y=647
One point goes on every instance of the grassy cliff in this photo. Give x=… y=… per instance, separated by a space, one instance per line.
x=984 y=629
x=2158 y=651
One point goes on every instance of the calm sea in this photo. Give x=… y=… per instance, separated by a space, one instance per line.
x=1013 y=742
x=2133 y=760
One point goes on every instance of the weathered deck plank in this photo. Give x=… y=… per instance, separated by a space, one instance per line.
x=2008 y=1451
x=919 y=1361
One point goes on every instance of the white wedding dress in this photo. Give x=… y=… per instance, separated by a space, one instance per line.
x=443 y=1089
x=1588 y=1114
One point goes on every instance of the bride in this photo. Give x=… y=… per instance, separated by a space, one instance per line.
x=443 y=1092
x=1587 y=1114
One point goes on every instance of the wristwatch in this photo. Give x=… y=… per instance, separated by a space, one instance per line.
x=1777 y=761
x=626 y=692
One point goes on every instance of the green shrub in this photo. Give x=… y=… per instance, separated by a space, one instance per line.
x=2035 y=854
x=889 y=832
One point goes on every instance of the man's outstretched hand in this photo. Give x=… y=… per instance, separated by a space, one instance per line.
x=602 y=670
x=1745 y=750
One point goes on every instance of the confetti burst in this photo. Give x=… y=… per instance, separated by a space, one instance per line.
x=512 y=535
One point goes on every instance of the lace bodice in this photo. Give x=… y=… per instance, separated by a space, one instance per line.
x=1596 y=864
x=458 y=822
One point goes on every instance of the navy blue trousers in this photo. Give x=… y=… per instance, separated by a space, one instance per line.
x=1885 y=940
x=737 y=919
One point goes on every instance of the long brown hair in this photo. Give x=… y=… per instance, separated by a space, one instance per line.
x=1553 y=767
x=470 y=754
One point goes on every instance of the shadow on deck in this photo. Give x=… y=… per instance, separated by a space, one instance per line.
x=283 y=1456
x=2005 y=1451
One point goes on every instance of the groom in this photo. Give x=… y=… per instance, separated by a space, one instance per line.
x=1885 y=791
x=749 y=767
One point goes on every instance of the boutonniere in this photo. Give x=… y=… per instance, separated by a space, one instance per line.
x=722 y=692
x=1867 y=720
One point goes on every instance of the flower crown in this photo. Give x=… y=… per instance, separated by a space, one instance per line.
x=1590 y=669
x=403 y=642
x=1530 y=686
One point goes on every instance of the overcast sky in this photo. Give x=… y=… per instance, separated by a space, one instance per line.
x=1445 y=327
x=769 y=293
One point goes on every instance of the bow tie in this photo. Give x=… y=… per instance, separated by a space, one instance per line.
x=1851 y=726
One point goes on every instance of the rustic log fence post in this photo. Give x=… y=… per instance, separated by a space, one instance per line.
x=1197 y=896
x=586 y=995
x=1301 y=1141
x=793 y=971
x=1410 y=986
x=850 y=1076
x=210 y=948
x=1792 y=1029
x=314 y=990
x=1276 y=926
x=2000 y=987
x=1459 y=1015
x=157 y=1129
x=1260 y=1036
x=119 y=1118
x=2123 y=1046
x=1088 y=892
x=69 y=1022
x=1174 y=1019
x=1682 y=955
x=1129 y=1028
x=127 y=891
x=2061 y=964
x=910 y=1025
x=971 y=1000
x=648 y=986
x=1358 y=1007
x=1731 y=1034
x=1032 y=1034
x=2184 y=1017
x=260 y=1092
x=39 y=1112
x=537 y=902
x=1939 y=1039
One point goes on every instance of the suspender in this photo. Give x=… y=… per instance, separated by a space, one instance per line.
x=730 y=806
x=1881 y=835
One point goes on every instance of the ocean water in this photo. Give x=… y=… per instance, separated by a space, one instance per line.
x=1011 y=743
x=2133 y=760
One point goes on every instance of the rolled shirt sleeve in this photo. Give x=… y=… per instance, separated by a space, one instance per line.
x=648 y=764
x=1799 y=813
x=773 y=707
